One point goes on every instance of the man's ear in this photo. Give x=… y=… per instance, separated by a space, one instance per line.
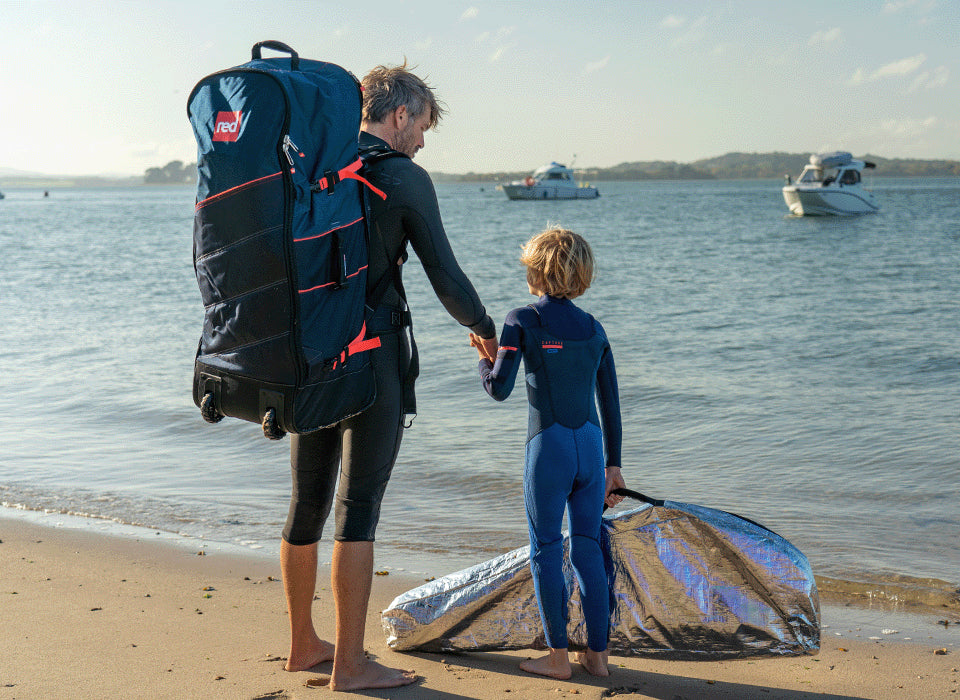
x=400 y=116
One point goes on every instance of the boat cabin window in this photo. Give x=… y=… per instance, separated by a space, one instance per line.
x=850 y=177
x=811 y=175
x=831 y=177
x=557 y=176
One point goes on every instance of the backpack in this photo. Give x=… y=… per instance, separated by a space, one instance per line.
x=280 y=243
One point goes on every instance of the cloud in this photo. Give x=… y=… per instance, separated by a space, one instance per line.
x=930 y=81
x=904 y=66
x=469 y=13
x=894 y=6
x=596 y=65
x=825 y=36
x=902 y=128
x=694 y=34
x=497 y=42
x=673 y=21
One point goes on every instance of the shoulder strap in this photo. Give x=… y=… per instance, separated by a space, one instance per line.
x=369 y=156
x=377 y=153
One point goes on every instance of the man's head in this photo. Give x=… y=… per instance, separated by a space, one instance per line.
x=399 y=107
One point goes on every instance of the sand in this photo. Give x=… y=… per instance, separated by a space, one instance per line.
x=87 y=615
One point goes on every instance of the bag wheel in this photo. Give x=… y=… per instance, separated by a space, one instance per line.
x=208 y=409
x=270 y=428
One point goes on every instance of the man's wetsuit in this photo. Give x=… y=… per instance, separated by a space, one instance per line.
x=568 y=362
x=363 y=448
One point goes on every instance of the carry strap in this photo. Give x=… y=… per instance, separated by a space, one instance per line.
x=328 y=182
x=374 y=154
x=627 y=493
x=368 y=156
x=358 y=344
x=256 y=53
x=351 y=172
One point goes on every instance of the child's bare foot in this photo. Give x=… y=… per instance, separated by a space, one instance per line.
x=371 y=675
x=556 y=664
x=318 y=652
x=595 y=662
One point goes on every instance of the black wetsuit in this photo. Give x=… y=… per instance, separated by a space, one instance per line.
x=364 y=448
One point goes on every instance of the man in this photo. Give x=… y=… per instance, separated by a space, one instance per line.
x=398 y=108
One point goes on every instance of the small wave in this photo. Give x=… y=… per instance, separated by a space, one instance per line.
x=897 y=590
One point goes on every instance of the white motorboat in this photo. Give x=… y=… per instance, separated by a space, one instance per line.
x=830 y=185
x=553 y=181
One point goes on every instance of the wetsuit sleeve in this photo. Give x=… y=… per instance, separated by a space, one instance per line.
x=608 y=397
x=498 y=379
x=424 y=229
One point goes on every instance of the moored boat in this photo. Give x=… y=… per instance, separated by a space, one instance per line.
x=553 y=181
x=830 y=184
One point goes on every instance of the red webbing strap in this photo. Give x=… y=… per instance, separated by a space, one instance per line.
x=350 y=173
x=358 y=344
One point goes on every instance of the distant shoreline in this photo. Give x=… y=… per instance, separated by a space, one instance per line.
x=732 y=166
x=54 y=184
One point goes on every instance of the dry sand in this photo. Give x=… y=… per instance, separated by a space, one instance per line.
x=93 y=616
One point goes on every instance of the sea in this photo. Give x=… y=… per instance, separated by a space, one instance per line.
x=802 y=372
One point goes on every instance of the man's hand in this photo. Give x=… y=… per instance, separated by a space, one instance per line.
x=486 y=347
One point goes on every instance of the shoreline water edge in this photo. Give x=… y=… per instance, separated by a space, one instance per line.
x=143 y=614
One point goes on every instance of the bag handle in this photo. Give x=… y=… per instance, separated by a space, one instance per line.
x=276 y=46
x=657 y=502
x=627 y=493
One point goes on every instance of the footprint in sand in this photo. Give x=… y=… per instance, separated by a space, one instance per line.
x=463 y=671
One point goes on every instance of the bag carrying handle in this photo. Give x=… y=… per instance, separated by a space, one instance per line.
x=276 y=46
x=627 y=493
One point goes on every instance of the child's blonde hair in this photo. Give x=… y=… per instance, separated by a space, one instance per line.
x=559 y=262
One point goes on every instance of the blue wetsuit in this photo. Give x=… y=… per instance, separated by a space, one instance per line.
x=568 y=363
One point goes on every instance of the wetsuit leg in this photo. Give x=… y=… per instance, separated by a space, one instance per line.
x=361 y=449
x=314 y=464
x=547 y=481
x=585 y=514
x=371 y=442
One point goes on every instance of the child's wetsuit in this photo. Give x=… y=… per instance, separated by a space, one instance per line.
x=568 y=363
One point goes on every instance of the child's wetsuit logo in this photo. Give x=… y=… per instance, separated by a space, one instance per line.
x=227 y=126
x=552 y=346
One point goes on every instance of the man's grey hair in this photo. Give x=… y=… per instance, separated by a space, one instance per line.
x=386 y=88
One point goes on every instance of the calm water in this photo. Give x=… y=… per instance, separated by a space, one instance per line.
x=802 y=372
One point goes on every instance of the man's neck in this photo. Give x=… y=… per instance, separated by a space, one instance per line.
x=380 y=130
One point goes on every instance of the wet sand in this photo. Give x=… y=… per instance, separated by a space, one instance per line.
x=87 y=615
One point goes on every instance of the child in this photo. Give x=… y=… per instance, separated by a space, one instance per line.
x=567 y=361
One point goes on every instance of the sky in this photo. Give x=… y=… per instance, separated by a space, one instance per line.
x=101 y=87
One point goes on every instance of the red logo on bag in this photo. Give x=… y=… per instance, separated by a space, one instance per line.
x=227 y=126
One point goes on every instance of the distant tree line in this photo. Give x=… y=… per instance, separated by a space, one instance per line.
x=173 y=173
x=732 y=166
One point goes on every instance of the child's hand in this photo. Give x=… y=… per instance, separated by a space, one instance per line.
x=614 y=481
x=486 y=348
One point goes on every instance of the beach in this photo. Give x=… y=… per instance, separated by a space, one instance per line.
x=88 y=615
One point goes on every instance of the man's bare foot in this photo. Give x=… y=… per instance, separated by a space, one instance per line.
x=371 y=675
x=556 y=664
x=317 y=653
x=595 y=662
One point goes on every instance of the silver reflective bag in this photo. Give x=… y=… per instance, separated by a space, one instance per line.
x=685 y=582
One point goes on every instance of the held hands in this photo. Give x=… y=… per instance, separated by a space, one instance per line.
x=614 y=481
x=486 y=347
